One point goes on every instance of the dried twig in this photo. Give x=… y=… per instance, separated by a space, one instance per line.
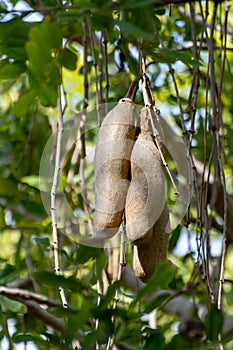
x=53 y=194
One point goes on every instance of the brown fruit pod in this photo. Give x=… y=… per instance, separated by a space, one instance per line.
x=146 y=195
x=112 y=160
x=147 y=257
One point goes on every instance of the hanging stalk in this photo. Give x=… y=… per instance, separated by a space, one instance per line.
x=100 y=68
x=96 y=73
x=215 y=122
x=105 y=42
x=53 y=195
x=205 y=238
x=122 y=264
x=81 y=137
x=222 y=174
x=150 y=102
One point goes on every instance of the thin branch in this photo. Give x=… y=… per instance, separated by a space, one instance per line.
x=164 y=162
x=105 y=42
x=78 y=144
x=224 y=246
x=82 y=126
x=222 y=70
x=25 y=282
x=96 y=73
x=100 y=69
x=196 y=74
x=122 y=264
x=32 y=301
x=154 y=114
x=53 y=194
x=131 y=93
x=14 y=293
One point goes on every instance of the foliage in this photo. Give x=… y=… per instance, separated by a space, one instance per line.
x=54 y=55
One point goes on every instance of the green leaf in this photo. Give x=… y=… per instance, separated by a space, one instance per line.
x=85 y=253
x=25 y=103
x=22 y=337
x=214 y=323
x=12 y=305
x=42 y=47
x=178 y=343
x=156 y=302
x=32 y=180
x=135 y=4
x=101 y=263
x=13 y=35
x=68 y=59
x=171 y=56
x=10 y=71
x=8 y=274
x=8 y=187
x=155 y=339
x=132 y=62
x=29 y=337
x=43 y=241
x=102 y=20
x=163 y=275
x=50 y=279
x=174 y=237
x=129 y=29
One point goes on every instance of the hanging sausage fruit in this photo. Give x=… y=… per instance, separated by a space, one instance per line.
x=112 y=162
x=147 y=214
x=146 y=195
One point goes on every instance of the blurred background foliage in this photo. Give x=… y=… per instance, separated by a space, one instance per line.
x=42 y=50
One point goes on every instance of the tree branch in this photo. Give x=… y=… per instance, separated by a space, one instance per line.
x=36 y=304
x=14 y=293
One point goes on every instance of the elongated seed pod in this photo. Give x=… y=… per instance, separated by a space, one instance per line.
x=146 y=195
x=149 y=255
x=112 y=158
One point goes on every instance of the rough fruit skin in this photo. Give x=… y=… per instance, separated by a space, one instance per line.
x=147 y=256
x=112 y=160
x=146 y=195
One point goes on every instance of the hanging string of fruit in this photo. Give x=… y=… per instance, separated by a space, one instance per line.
x=130 y=181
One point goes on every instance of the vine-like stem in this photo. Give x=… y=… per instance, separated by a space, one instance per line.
x=122 y=264
x=96 y=73
x=224 y=246
x=105 y=42
x=56 y=174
